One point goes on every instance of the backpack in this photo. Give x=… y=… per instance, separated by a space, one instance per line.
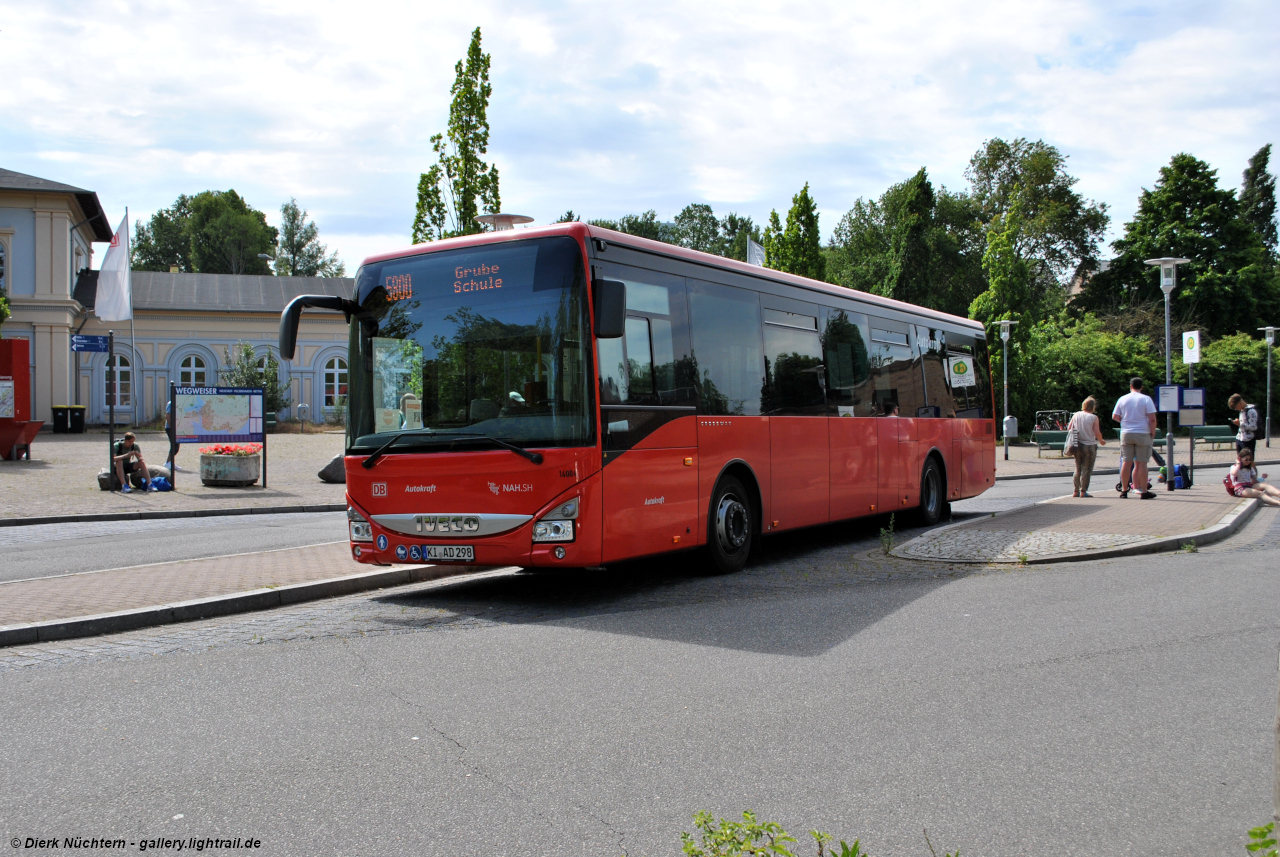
x=1229 y=485
x=161 y=484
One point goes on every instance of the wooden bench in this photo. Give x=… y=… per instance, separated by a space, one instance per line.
x=1214 y=435
x=1046 y=439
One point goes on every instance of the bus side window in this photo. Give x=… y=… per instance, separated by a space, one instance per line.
x=848 y=362
x=613 y=371
x=933 y=346
x=728 y=357
x=792 y=363
x=639 y=358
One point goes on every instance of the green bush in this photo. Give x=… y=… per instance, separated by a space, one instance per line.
x=242 y=371
x=754 y=838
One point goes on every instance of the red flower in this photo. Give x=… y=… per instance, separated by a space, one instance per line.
x=232 y=449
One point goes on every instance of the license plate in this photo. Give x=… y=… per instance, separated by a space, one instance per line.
x=449 y=553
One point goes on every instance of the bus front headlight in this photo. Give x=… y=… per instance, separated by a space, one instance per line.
x=557 y=525
x=361 y=530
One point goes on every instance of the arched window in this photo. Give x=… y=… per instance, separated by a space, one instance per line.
x=335 y=382
x=124 y=383
x=192 y=372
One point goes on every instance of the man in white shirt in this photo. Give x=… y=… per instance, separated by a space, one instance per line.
x=1136 y=414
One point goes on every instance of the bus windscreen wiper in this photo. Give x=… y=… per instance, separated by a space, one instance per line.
x=535 y=457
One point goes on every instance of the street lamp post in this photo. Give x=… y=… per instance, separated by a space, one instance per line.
x=1168 y=266
x=1004 y=339
x=1271 y=339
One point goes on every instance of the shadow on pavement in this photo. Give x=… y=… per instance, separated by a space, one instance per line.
x=821 y=573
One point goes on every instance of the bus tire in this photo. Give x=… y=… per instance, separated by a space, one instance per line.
x=931 y=498
x=730 y=528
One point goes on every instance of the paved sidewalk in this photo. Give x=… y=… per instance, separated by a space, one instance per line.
x=62 y=480
x=120 y=599
x=1079 y=528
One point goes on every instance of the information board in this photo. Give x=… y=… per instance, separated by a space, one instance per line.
x=1168 y=398
x=218 y=414
x=7 y=400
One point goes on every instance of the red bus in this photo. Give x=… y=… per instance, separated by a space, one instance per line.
x=572 y=396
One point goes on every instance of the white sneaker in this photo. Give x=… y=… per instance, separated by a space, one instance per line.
x=151 y=487
x=126 y=489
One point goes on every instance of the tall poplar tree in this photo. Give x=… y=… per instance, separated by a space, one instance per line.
x=797 y=248
x=1258 y=198
x=451 y=193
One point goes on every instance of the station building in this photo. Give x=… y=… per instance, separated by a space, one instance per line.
x=183 y=325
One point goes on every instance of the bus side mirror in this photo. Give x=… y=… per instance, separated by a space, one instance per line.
x=610 y=298
x=293 y=314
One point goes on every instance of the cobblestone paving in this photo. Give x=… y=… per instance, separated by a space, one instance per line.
x=793 y=565
x=989 y=545
x=1070 y=525
x=63 y=478
x=1262 y=532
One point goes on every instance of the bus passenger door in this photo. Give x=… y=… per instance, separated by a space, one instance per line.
x=650 y=482
x=794 y=399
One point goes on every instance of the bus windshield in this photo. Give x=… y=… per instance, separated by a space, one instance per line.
x=485 y=341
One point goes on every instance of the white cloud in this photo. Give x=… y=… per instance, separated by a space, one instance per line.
x=606 y=108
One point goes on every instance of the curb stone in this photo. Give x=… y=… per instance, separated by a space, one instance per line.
x=1226 y=526
x=223 y=605
x=162 y=514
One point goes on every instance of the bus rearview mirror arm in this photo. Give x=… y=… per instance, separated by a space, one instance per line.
x=293 y=314
x=610 y=299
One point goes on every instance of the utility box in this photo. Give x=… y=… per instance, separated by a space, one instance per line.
x=17 y=429
x=1011 y=426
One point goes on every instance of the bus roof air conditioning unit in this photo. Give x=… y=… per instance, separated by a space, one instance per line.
x=499 y=222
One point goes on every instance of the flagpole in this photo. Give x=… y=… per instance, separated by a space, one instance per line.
x=134 y=375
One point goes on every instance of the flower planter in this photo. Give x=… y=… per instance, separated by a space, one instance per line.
x=230 y=471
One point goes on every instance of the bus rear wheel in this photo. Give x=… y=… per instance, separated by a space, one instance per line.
x=730 y=527
x=931 y=499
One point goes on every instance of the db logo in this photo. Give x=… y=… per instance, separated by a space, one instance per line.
x=379 y=489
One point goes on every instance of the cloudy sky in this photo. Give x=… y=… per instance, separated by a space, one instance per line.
x=608 y=108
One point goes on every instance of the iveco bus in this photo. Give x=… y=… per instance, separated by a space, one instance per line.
x=572 y=396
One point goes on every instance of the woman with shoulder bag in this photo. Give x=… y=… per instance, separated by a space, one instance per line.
x=1084 y=433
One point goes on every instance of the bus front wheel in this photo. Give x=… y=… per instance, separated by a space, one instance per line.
x=730 y=526
x=931 y=499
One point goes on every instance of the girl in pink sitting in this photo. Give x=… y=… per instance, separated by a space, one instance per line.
x=1246 y=482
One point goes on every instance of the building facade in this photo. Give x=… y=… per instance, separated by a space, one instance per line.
x=47 y=231
x=183 y=325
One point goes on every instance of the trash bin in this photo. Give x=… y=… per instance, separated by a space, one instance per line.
x=61 y=419
x=76 y=425
x=270 y=422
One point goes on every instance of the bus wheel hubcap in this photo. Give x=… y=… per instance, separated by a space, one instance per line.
x=731 y=523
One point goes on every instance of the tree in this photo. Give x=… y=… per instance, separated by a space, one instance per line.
x=568 y=217
x=1258 y=199
x=735 y=231
x=797 y=248
x=1009 y=295
x=696 y=227
x=451 y=192
x=166 y=241
x=300 y=253
x=914 y=244
x=1229 y=284
x=228 y=235
x=1060 y=228
x=242 y=370
x=644 y=225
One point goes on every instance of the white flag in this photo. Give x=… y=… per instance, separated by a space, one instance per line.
x=755 y=253
x=115 y=293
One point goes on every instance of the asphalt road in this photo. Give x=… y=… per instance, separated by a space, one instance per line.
x=1117 y=707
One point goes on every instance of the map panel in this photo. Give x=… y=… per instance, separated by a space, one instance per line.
x=6 y=399
x=218 y=414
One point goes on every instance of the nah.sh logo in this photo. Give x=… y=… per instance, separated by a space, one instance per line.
x=379 y=489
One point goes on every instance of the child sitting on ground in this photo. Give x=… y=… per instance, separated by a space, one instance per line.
x=1245 y=481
